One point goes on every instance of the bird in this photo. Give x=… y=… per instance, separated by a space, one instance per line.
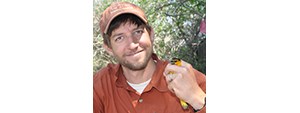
x=177 y=61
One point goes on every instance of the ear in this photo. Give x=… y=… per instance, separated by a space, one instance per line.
x=108 y=49
x=152 y=34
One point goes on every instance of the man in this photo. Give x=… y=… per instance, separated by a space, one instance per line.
x=141 y=83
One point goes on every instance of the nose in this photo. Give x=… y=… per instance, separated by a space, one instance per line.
x=133 y=46
x=134 y=42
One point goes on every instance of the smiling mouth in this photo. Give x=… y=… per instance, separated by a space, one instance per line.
x=134 y=53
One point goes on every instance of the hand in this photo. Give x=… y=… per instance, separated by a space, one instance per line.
x=183 y=83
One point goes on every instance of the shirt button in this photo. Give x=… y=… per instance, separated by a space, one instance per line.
x=140 y=100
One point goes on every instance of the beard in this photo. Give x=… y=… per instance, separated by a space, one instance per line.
x=135 y=66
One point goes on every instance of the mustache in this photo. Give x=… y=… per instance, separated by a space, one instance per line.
x=133 y=52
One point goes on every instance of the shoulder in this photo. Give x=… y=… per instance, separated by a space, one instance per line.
x=102 y=79
x=105 y=73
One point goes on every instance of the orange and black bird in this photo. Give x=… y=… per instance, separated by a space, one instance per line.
x=177 y=61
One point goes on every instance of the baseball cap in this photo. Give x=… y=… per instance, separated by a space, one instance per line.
x=116 y=9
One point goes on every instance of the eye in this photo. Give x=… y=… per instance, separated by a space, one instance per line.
x=138 y=32
x=119 y=39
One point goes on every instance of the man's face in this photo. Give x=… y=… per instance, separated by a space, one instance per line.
x=131 y=46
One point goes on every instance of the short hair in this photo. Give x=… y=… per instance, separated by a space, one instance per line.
x=122 y=19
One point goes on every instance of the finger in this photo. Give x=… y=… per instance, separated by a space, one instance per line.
x=188 y=67
x=165 y=73
x=185 y=67
x=175 y=69
x=170 y=88
x=170 y=77
x=176 y=79
x=183 y=63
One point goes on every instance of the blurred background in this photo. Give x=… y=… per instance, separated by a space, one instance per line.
x=179 y=25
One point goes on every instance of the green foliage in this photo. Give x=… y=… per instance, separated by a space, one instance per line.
x=177 y=30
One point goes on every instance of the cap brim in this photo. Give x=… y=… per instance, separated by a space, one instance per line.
x=126 y=12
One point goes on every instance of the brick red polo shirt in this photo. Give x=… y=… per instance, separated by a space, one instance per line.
x=112 y=94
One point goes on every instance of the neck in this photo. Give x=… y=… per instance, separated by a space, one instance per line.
x=139 y=76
